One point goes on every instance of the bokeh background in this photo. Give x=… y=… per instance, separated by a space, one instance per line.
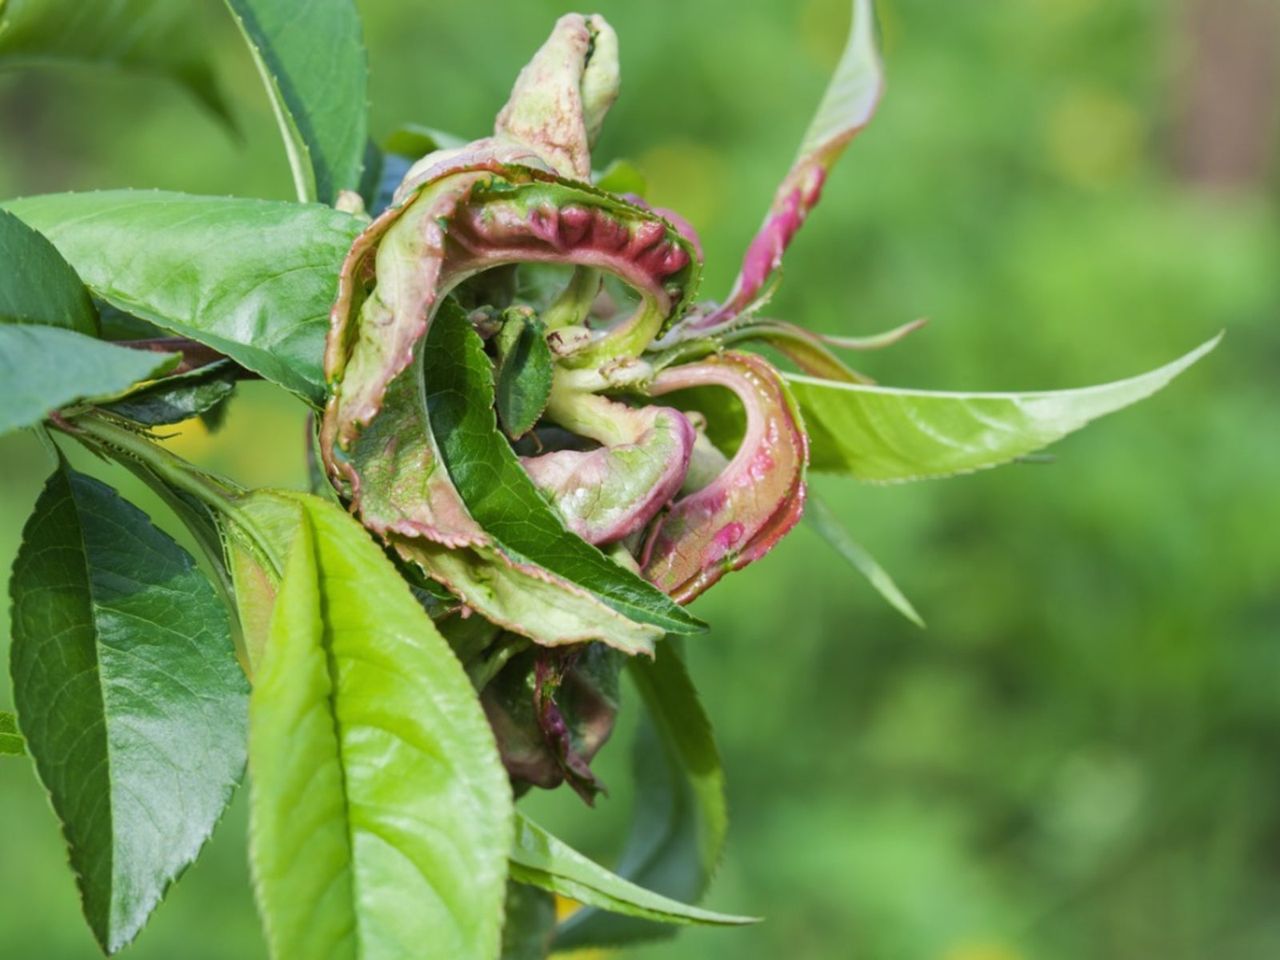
x=1078 y=757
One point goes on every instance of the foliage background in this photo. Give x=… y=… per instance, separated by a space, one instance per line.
x=1077 y=758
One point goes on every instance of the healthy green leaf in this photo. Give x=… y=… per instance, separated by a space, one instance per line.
x=129 y=693
x=542 y=860
x=11 y=742
x=253 y=279
x=885 y=434
x=159 y=37
x=529 y=923
x=38 y=286
x=523 y=382
x=500 y=495
x=381 y=815
x=312 y=60
x=178 y=398
x=44 y=368
x=680 y=820
x=827 y=526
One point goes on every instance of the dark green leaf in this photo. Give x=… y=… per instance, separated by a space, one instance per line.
x=529 y=923
x=179 y=398
x=680 y=820
x=251 y=278
x=525 y=369
x=44 y=368
x=11 y=742
x=497 y=491
x=381 y=815
x=129 y=694
x=312 y=60
x=827 y=526
x=542 y=860
x=37 y=285
x=885 y=434
x=159 y=37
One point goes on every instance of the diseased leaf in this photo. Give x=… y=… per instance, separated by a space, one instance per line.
x=680 y=821
x=846 y=107
x=159 y=37
x=828 y=527
x=11 y=742
x=542 y=860
x=44 y=368
x=252 y=279
x=37 y=285
x=381 y=815
x=178 y=398
x=500 y=495
x=886 y=434
x=129 y=695
x=523 y=382
x=312 y=60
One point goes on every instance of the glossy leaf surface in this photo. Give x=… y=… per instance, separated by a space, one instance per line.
x=500 y=495
x=885 y=434
x=381 y=815
x=37 y=285
x=542 y=860
x=312 y=60
x=129 y=693
x=44 y=368
x=251 y=278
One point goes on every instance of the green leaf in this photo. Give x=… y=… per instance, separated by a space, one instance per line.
x=885 y=434
x=542 y=860
x=253 y=279
x=827 y=526
x=44 y=368
x=38 y=286
x=523 y=383
x=414 y=140
x=497 y=491
x=381 y=815
x=312 y=60
x=680 y=821
x=129 y=695
x=163 y=38
x=11 y=742
x=529 y=923
x=178 y=398
x=622 y=176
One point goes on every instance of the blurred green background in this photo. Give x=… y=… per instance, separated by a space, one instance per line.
x=1078 y=758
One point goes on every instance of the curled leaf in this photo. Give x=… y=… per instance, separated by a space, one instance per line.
x=757 y=498
x=561 y=98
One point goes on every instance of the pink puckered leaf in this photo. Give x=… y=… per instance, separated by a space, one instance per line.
x=847 y=107
x=560 y=99
x=758 y=497
x=609 y=493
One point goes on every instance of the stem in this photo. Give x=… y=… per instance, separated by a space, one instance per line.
x=485 y=670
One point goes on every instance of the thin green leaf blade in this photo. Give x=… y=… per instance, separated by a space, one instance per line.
x=312 y=60
x=38 y=286
x=11 y=742
x=523 y=382
x=381 y=815
x=44 y=368
x=886 y=434
x=253 y=279
x=129 y=695
x=180 y=397
x=498 y=492
x=680 y=821
x=542 y=860
x=827 y=526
